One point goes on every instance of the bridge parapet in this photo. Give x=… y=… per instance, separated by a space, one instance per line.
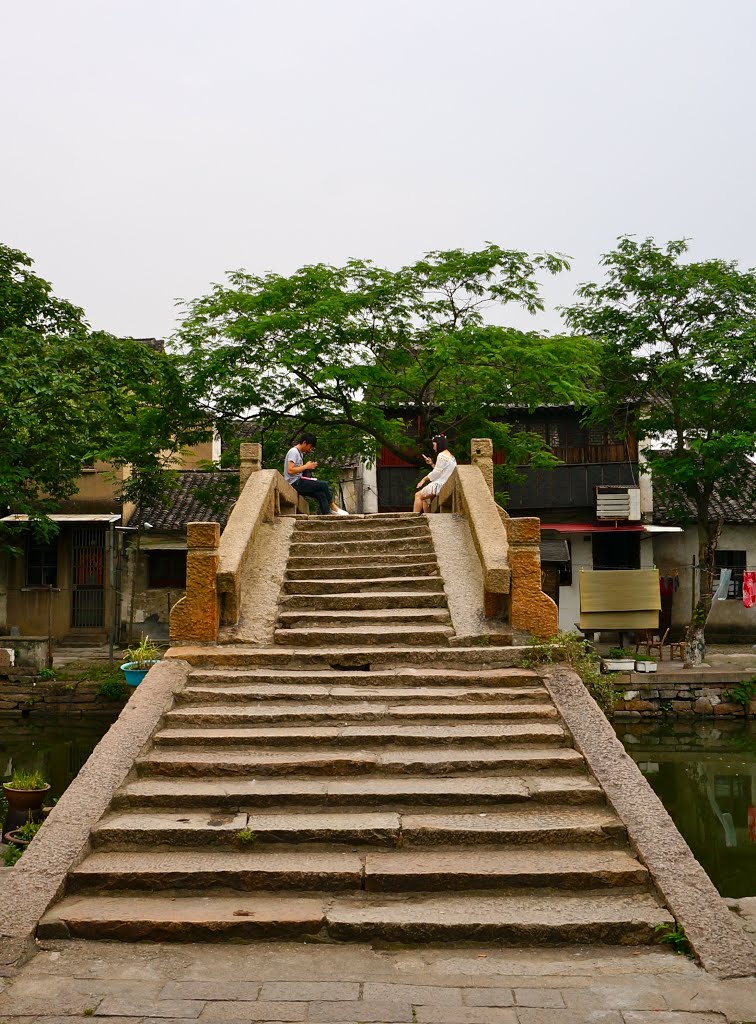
x=508 y=548
x=215 y=562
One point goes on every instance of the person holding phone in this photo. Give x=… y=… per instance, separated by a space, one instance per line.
x=297 y=472
x=431 y=484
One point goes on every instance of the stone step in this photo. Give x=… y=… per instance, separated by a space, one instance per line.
x=442 y=657
x=424 y=569
x=234 y=794
x=391 y=559
x=377 y=635
x=535 y=730
x=340 y=714
x=364 y=549
x=374 y=871
x=351 y=601
x=370 y=617
x=336 y=679
x=348 y=700
x=381 y=585
x=544 y=823
x=375 y=520
x=380 y=532
x=200 y=763
x=522 y=918
x=525 y=917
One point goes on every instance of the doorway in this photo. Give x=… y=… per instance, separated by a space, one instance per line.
x=620 y=550
x=88 y=578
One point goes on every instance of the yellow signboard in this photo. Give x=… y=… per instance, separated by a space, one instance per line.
x=619 y=599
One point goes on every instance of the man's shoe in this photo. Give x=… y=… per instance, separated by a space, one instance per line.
x=339 y=512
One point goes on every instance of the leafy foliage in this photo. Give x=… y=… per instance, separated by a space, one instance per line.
x=742 y=692
x=369 y=357
x=674 y=936
x=143 y=654
x=680 y=347
x=70 y=395
x=10 y=854
x=582 y=659
x=25 y=780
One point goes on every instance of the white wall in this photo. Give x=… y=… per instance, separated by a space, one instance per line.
x=675 y=552
x=581 y=550
x=369 y=488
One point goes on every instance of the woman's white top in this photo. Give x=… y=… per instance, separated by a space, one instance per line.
x=445 y=466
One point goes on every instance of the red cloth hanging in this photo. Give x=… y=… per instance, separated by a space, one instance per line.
x=749 y=589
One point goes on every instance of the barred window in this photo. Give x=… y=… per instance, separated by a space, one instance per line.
x=735 y=560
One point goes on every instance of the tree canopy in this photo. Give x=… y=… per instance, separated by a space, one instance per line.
x=69 y=394
x=372 y=357
x=680 y=348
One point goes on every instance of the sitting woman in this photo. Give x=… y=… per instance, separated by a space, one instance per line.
x=431 y=484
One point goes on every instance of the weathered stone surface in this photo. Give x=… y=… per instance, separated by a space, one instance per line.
x=728 y=709
x=639 y=705
x=517 y=825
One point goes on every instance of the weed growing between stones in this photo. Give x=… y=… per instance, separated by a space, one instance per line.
x=673 y=936
x=582 y=659
x=246 y=836
x=742 y=693
x=113 y=688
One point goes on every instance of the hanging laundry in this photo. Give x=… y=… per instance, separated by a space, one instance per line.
x=749 y=589
x=720 y=594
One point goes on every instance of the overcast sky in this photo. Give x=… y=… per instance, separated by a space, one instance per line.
x=148 y=146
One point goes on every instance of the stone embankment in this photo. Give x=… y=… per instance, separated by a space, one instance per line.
x=641 y=698
x=363 y=778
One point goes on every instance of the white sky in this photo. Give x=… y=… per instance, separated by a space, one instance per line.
x=147 y=146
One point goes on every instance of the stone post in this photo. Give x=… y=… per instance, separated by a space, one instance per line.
x=250 y=461
x=529 y=608
x=481 y=452
x=195 y=618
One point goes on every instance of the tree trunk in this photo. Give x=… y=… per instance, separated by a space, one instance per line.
x=708 y=538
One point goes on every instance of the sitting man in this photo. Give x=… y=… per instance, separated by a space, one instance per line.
x=295 y=473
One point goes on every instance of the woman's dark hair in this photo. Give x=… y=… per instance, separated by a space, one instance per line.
x=308 y=439
x=440 y=442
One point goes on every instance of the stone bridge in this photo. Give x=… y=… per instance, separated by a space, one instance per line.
x=342 y=744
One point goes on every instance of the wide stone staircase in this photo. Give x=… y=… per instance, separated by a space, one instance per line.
x=361 y=779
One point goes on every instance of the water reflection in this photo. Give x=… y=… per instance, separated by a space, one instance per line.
x=704 y=772
x=58 y=747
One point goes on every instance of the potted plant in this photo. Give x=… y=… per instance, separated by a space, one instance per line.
x=645 y=663
x=139 y=661
x=619 y=660
x=25 y=793
x=24 y=834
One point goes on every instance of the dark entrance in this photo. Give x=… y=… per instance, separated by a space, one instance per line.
x=396 y=487
x=88 y=578
x=620 y=550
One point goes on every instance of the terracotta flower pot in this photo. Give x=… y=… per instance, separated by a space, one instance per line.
x=23 y=805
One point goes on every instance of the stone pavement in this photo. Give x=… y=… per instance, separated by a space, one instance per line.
x=121 y=983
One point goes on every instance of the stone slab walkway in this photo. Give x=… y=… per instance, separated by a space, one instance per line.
x=122 y=983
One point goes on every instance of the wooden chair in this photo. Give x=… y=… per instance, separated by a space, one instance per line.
x=652 y=642
x=677 y=647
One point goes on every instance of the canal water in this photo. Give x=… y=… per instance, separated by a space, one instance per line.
x=56 y=746
x=704 y=772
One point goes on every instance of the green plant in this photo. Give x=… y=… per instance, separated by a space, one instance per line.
x=10 y=854
x=245 y=836
x=28 y=830
x=742 y=692
x=89 y=1012
x=674 y=936
x=21 y=779
x=47 y=673
x=666 y=707
x=582 y=659
x=644 y=657
x=620 y=652
x=143 y=655
x=113 y=689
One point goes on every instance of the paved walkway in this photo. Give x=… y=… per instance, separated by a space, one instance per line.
x=124 y=983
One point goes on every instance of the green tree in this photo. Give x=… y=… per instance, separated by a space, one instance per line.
x=371 y=357
x=69 y=394
x=680 y=347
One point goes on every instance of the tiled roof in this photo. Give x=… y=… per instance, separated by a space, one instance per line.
x=193 y=497
x=741 y=509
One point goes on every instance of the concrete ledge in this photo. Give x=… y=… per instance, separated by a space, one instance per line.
x=716 y=937
x=38 y=879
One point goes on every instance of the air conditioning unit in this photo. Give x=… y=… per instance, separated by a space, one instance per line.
x=618 y=501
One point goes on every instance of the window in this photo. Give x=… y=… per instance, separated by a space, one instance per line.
x=41 y=564
x=735 y=560
x=166 y=570
x=88 y=466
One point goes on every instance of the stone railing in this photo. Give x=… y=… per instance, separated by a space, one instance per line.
x=508 y=548
x=215 y=563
